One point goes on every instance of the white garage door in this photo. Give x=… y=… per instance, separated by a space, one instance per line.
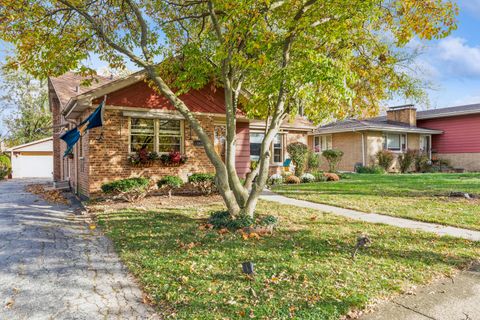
x=32 y=166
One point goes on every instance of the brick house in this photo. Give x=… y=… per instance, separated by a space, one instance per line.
x=135 y=116
x=360 y=140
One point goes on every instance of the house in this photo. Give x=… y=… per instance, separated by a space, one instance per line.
x=460 y=141
x=33 y=159
x=360 y=140
x=138 y=117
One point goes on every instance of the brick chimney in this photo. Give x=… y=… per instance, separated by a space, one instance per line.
x=404 y=114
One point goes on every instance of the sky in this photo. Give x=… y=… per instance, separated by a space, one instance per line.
x=451 y=65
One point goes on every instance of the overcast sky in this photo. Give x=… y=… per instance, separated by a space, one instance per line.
x=451 y=64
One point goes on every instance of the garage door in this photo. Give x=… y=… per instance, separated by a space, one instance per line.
x=32 y=166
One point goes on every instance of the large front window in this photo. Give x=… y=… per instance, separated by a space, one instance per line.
x=256 y=139
x=394 y=142
x=160 y=135
x=322 y=143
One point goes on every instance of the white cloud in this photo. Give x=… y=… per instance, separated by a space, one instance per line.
x=457 y=58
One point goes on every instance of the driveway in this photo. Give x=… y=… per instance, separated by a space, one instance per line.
x=52 y=266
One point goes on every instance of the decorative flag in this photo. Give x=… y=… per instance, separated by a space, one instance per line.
x=72 y=136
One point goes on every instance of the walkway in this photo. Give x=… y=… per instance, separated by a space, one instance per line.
x=376 y=218
x=52 y=266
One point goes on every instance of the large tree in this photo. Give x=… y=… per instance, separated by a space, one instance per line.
x=23 y=107
x=334 y=58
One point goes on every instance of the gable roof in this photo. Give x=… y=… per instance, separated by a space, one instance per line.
x=298 y=123
x=373 y=124
x=48 y=147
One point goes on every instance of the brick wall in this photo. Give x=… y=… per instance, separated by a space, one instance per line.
x=351 y=145
x=107 y=158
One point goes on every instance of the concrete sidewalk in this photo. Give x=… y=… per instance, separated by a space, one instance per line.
x=445 y=299
x=376 y=218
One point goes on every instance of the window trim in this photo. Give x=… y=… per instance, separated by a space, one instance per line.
x=402 y=136
x=320 y=137
x=282 y=147
x=156 y=127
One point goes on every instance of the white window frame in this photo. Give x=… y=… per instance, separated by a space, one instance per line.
x=403 y=140
x=156 y=127
x=325 y=142
x=282 y=148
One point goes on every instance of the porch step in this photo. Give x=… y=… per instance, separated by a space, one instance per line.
x=61 y=185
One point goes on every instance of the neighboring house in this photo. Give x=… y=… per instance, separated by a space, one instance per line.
x=136 y=116
x=360 y=140
x=460 y=141
x=33 y=159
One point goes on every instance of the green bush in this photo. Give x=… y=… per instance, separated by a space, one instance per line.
x=370 y=169
x=125 y=185
x=5 y=166
x=422 y=162
x=268 y=220
x=313 y=161
x=223 y=219
x=385 y=159
x=319 y=176
x=406 y=160
x=333 y=157
x=170 y=181
x=298 y=153
x=201 y=177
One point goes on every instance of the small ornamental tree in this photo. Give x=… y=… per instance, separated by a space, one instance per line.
x=298 y=153
x=269 y=57
x=406 y=160
x=313 y=161
x=333 y=157
x=385 y=159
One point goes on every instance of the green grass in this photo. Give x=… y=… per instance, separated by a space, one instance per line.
x=415 y=196
x=303 y=271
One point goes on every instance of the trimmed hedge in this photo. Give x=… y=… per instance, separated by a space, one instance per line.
x=370 y=169
x=125 y=185
x=201 y=177
x=170 y=181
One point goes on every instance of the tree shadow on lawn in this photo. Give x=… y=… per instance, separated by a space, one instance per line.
x=312 y=259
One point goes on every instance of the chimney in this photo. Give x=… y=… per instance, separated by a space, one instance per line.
x=404 y=114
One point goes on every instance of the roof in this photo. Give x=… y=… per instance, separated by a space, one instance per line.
x=448 y=112
x=37 y=142
x=298 y=123
x=68 y=86
x=373 y=124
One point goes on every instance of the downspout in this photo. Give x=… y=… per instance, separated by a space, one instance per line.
x=363 y=149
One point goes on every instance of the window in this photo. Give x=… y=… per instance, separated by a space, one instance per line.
x=169 y=136
x=256 y=139
x=394 y=142
x=322 y=143
x=160 y=135
x=142 y=134
x=277 y=149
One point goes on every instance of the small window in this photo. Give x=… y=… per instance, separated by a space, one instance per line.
x=169 y=136
x=277 y=149
x=394 y=142
x=255 y=145
x=322 y=143
x=142 y=134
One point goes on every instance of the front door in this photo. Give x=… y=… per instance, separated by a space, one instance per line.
x=426 y=144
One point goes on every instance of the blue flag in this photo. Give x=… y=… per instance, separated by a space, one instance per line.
x=72 y=136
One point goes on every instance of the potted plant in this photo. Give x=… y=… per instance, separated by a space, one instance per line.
x=173 y=159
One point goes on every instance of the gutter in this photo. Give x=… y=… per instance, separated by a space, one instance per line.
x=408 y=130
x=447 y=114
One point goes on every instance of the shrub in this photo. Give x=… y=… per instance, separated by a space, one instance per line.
x=298 y=152
x=205 y=182
x=333 y=157
x=385 y=159
x=375 y=169
x=268 y=220
x=406 y=160
x=5 y=166
x=292 y=179
x=223 y=219
x=170 y=183
x=131 y=189
x=313 y=161
x=422 y=162
x=307 y=177
x=275 y=179
x=319 y=176
x=331 y=176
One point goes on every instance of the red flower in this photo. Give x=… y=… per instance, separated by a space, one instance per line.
x=175 y=157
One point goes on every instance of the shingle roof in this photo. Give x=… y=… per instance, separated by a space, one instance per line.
x=66 y=85
x=298 y=123
x=374 y=124
x=451 y=111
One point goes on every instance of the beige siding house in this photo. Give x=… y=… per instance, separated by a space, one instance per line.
x=361 y=140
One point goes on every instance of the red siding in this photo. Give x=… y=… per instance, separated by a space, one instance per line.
x=461 y=133
x=208 y=99
x=242 y=161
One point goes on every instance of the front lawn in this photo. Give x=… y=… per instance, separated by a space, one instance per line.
x=416 y=196
x=303 y=271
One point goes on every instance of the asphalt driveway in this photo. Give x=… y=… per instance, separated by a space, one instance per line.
x=52 y=266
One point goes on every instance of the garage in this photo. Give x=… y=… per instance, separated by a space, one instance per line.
x=33 y=159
